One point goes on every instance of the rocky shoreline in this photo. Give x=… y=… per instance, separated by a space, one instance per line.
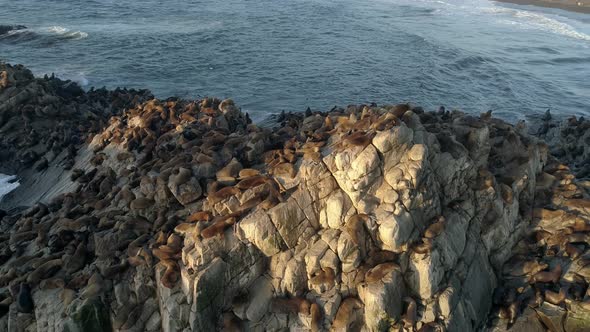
x=137 y=214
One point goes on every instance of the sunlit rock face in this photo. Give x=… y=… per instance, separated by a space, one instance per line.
x=181 y=215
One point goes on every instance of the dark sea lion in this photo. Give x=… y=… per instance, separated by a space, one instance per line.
x=52 y=283
x=24 y=300
x=77 y=260
x=141 y=203
x=231 y=323
x=111 y=271
x=432 y=327
x=180 y=176
x=45 y=271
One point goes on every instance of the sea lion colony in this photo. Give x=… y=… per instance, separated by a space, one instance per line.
x=186 y=216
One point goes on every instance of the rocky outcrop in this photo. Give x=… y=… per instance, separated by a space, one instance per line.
x=184 y=216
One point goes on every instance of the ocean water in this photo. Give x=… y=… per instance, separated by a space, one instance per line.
x=273 y=55
x=7 y=184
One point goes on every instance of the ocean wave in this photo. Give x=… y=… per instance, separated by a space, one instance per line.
x=66 y=33
x=7 y=184
x=49 y=35
x=527 y=19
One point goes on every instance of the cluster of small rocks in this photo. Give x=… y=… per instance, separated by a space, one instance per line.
x=184 y=216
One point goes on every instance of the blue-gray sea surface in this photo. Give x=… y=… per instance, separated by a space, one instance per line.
x=273 y=55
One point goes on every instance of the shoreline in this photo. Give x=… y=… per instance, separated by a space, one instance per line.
x=569 y=5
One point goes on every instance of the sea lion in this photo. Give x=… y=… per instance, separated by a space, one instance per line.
x=545 y=277
x=141 y=203
x=52 y=283
x=110 y=272
x=316 y=317
x=355 y=227
x=171 y=274
x=8 y=276
x=410 y=317
x=231 y=170
x=218 y=227
x=77 y=260
x=423 y=247
x=378 y=272
x=24 y=300
x=556 y=298
x=432 y=327
x=252 y=182
x=199 y=216
x=294 y=305
x=45 y=271
x=180 y=176
x=231 y=323
x=326 y=276
x=223 y=194
x=435 y=229
x=283 y=170
x=248 y=173
x=347 y=318
x=94 y=287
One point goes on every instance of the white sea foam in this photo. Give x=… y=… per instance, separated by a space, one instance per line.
x=531 y=20
x=7 y=184
x=66 y=33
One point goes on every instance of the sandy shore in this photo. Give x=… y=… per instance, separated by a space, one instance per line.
x=580 y=6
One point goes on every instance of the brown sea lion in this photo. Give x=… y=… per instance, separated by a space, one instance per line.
x=292 y=305
x=316 y=317
x=199 y=216
x=435 y=229
x=222 y=194
x=410 y=317
x=423 y=247
x=252 y=182
x=171 y=274
x=218 y=227
x=556 y=298
x=326 y=276
x=552 y=276
x=378 y=272
x=248 y=173
x=355 y=227
x=346 y=317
